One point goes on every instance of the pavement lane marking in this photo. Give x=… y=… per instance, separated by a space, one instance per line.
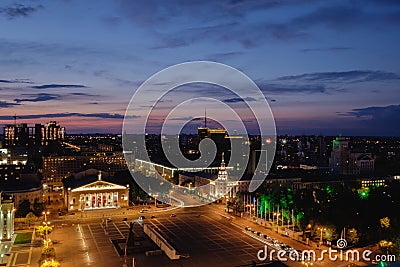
x=30 y=255
x=10 y=259
x=94 y=240
x=242 y=231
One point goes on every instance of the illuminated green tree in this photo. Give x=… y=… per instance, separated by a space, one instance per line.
x=363 y=193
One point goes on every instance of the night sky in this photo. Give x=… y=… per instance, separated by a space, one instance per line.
x=326 y=67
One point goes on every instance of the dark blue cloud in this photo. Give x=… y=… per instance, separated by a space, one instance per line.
x=377 y=120
x=189 y=118
x=19 y=10
x=41 y=97
x=224 y=56
x=238 y=99
x=374 y=112
x=268 y=88
x=15 y=81
x=67 y=115
x=344 y=76
x=37 y=97
x=230 y=26
x=327 y=49
x=56 y=86
x=338 y=17
x=82 y=94
x=4 y=104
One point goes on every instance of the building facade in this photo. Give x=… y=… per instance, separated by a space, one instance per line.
x=7 y=212
x=222 y=186
x=20 y=186
x=83 y=192
x=55 y=168
x=346 y=162
x=23 y=135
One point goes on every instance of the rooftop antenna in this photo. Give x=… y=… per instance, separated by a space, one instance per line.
x=15 y=119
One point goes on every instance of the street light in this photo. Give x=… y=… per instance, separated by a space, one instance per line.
x=277 y=220
x=45 y=213
x=322 y=229
x=308 y=263
x=155 y=199
x=46 y=226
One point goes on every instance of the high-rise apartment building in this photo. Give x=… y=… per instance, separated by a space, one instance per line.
x=23 y=135
x=55 y=168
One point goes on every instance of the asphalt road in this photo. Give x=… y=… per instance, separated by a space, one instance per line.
x=206 y=235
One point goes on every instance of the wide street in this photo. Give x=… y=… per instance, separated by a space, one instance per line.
x=204 y=236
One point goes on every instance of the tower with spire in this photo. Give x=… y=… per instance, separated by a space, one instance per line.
x=222 y=173
x=221 y=186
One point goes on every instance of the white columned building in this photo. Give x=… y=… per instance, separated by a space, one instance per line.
x=222 y=186
x=90 y=194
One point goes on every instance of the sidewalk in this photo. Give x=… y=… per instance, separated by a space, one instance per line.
x=271 y=230
x=108 y=212
x=26 y=255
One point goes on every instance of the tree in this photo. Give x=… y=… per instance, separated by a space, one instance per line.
x=51 y=263
x=385 y=245
x=23 y=208
x=396 y=247
x=328 y=232
x=38 y=207
x=48 y=252
x=352 y=236
x=385 y=222
x=30 y=219
x=42 y=230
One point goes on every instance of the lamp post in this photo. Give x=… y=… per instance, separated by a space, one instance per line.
x=46 y=225
x=322 y=229
x=45 y=213
x=155 y=200
x=277 y=220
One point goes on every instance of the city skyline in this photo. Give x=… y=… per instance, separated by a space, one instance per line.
x=325 y=67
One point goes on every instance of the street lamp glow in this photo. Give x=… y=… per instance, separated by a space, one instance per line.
x=322 y=229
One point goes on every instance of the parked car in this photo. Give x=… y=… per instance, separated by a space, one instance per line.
x=173 y=215
x=143 y=211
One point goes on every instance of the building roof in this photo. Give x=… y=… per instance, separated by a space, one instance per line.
x=21 y=183
x=87 y=177
x=364 y=157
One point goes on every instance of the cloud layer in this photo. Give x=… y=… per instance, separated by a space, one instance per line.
x=19 y=10
x=67 y=115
